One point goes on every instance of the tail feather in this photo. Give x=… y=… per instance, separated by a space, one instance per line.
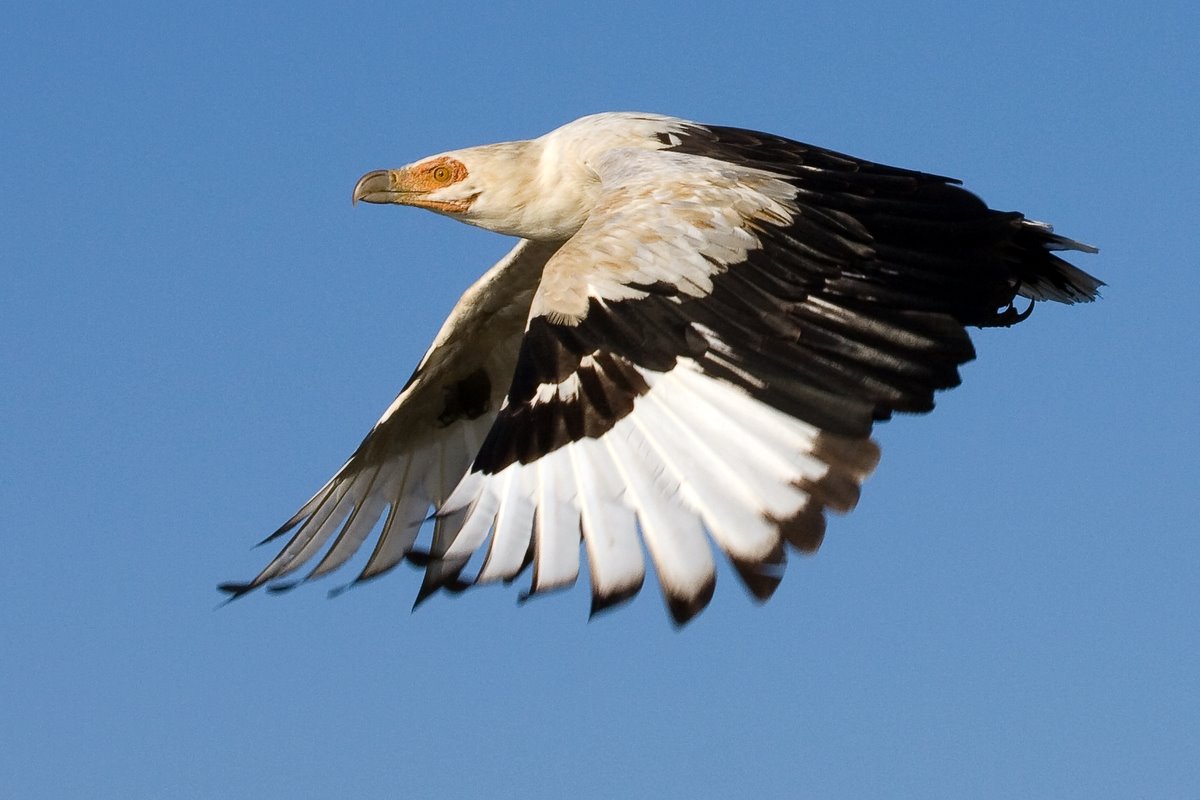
x=1046 y=276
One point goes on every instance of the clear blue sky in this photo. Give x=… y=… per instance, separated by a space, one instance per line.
x=196 y=327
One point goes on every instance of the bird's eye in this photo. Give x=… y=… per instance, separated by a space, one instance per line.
x=441 y=174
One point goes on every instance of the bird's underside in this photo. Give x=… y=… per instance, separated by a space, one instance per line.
x=689 y=345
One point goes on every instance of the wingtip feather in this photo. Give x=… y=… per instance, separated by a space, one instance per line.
x=236 y=589
x=606 y=601
x=684 y=608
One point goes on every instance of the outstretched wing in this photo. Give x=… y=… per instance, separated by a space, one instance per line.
x=706 y=357
x=425 y=441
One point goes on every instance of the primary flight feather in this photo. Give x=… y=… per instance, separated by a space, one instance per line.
x=689 y=343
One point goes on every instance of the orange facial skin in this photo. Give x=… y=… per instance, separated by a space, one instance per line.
x=431 y=176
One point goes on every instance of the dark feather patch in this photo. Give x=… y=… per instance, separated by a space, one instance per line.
x=930 y=242
x=805 y=530
x=467 y=398
x=604 y=602
x=606 y=385
x=683 y=609
x=762 y=578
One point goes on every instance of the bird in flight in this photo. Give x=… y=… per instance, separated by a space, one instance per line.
x=688 y=345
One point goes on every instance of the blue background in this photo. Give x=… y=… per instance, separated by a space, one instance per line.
x=196 y=328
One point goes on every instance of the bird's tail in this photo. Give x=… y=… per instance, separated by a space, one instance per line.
x=1046 y=276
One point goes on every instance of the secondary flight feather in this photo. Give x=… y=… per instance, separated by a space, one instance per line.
x=687 y=347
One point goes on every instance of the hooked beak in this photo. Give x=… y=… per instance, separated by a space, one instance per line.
x=381 y=186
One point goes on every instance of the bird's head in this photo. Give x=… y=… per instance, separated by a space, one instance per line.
x=504 y=187
x=479 y=185
x=441 y=183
